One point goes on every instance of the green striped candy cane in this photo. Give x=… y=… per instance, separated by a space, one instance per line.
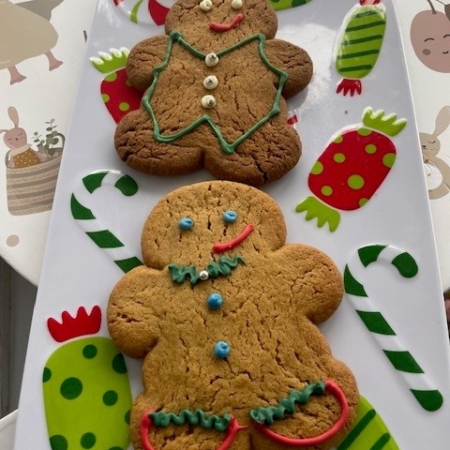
x=403 y=361
x=85 y=218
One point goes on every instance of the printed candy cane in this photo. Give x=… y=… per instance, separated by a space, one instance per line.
x=403 y=361
x=85 y=218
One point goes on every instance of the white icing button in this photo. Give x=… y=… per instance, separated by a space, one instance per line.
x=204 y=275
x=236 y=4
x=208 y=101
x=211 y=60
x=206 y=5
x=210 y=82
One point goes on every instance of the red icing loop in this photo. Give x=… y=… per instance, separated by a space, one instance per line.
x=221 y=247
x=221 y=27
x=147 y=422
x=349 y=86
x=331 y=388
x=71 y=327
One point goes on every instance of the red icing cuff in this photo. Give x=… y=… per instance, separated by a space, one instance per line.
x=147 y=422
x=349 y=86
x=331 y=388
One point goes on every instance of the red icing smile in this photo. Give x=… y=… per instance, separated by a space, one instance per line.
x=221 y=27
x=221 y=247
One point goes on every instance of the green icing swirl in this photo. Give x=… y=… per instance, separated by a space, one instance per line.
x=197 y=417
x=287 y=405
x=223 y=267
x=228 y=148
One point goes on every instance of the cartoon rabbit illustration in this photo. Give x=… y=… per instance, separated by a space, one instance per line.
x=24 y=34
x=430 y=150
x=20 y=153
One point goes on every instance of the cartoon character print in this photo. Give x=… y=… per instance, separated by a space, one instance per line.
x=20 y=153
x=25 y=32
x=430 y=38
x=214 y=311
x=431 y=147
x=235 y=78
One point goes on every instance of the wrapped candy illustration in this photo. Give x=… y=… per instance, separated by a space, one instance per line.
x=360 y=45
x=352 y=168
x=87 y=393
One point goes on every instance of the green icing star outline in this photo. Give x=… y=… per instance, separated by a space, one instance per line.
x=228 y=148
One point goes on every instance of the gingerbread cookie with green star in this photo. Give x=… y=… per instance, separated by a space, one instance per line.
x=225 y=315
x=215 y=88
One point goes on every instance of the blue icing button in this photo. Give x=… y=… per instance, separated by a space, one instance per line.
x=221 y=350
x=215 y=301
x=186 y=223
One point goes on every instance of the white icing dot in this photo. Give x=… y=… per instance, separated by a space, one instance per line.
x=206 y=5
x=211 y=60
x=236 y=4
x=208 y=101
x=204 y=275
x=210 y=82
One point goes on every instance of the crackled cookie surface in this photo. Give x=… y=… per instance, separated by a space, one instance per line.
x=225 y=315
x=216 y=85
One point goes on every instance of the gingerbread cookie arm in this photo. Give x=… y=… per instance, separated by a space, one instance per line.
x=132 y=322
x=292 y=60
x=315 y=281
x=143 y=58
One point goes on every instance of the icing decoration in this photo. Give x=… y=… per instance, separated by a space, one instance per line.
x=179 y=274
x=222 y=350
x=88 y=222
x=70 y=327
x=360 y=46
x=211 y=60
x=186 y=224
x=86 y=389
x=224 y=246
x=237 y=4
x=302 y=397
x=198 y=417
x=206 y=5
x=401 y=359
x=210 y=82
x=368 y=432
x=352 y=168
x=119 y=96
x=214 y=301
x=204 y=275
x=230 y=216
x=208 y=101
x=223 y=27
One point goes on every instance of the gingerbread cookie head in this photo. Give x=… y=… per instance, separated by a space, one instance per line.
x=225 y=22
x=208 y=220
x=215 y=89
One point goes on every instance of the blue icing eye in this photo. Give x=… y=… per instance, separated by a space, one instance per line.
x=186 y=224
x=229 y=216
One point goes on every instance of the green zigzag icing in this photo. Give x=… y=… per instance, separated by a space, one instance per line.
x=197 y=417
x=269 y=414
x=223 y=267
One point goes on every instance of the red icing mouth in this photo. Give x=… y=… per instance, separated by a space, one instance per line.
x=222 y=27
x=221 y=247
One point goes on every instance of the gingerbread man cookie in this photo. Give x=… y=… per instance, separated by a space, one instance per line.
x=225 y=315
x=215 y=94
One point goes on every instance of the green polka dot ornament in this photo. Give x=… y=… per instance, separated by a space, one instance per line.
x=86 y=386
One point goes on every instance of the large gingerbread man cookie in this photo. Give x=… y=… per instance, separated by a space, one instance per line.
x=215 y=94
x=225 y=315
